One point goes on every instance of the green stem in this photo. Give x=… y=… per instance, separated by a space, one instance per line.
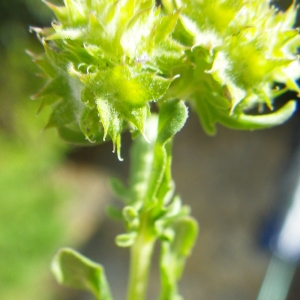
x=141 y=253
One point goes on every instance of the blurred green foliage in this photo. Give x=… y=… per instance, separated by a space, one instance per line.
x=31 y=228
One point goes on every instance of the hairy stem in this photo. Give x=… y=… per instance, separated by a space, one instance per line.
x=141 y=253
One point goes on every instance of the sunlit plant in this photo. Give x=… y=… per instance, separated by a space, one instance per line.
x=110 y=64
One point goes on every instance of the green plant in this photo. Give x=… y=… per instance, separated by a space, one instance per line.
x=108 y=62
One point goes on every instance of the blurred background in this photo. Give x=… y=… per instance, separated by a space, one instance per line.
x=54 y=195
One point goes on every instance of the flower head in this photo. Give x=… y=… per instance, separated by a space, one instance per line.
x=239 y=49
x=106 y=61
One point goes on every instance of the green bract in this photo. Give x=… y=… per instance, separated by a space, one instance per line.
x=105 y=62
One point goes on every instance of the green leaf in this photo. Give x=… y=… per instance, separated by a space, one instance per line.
x=74 y=270
x=173 y=255
x=126 y=239
x=172 y=117
x=167 y=186
x=168 y=215
x=131 y=217
x=210 y=115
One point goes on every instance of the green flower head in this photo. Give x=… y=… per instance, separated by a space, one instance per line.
x=106 y=61
x=239 y=49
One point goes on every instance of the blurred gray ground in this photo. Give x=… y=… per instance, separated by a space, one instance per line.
x=230 y=181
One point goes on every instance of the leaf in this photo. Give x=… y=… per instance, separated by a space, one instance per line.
x=167 y=186
x=173 y=255
x=126 y=239
x=167 y=216
x=172 y=117
x=74 y=270
x=210 y=116
x=131 y=217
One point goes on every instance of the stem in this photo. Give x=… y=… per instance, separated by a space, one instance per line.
x=141 y=253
